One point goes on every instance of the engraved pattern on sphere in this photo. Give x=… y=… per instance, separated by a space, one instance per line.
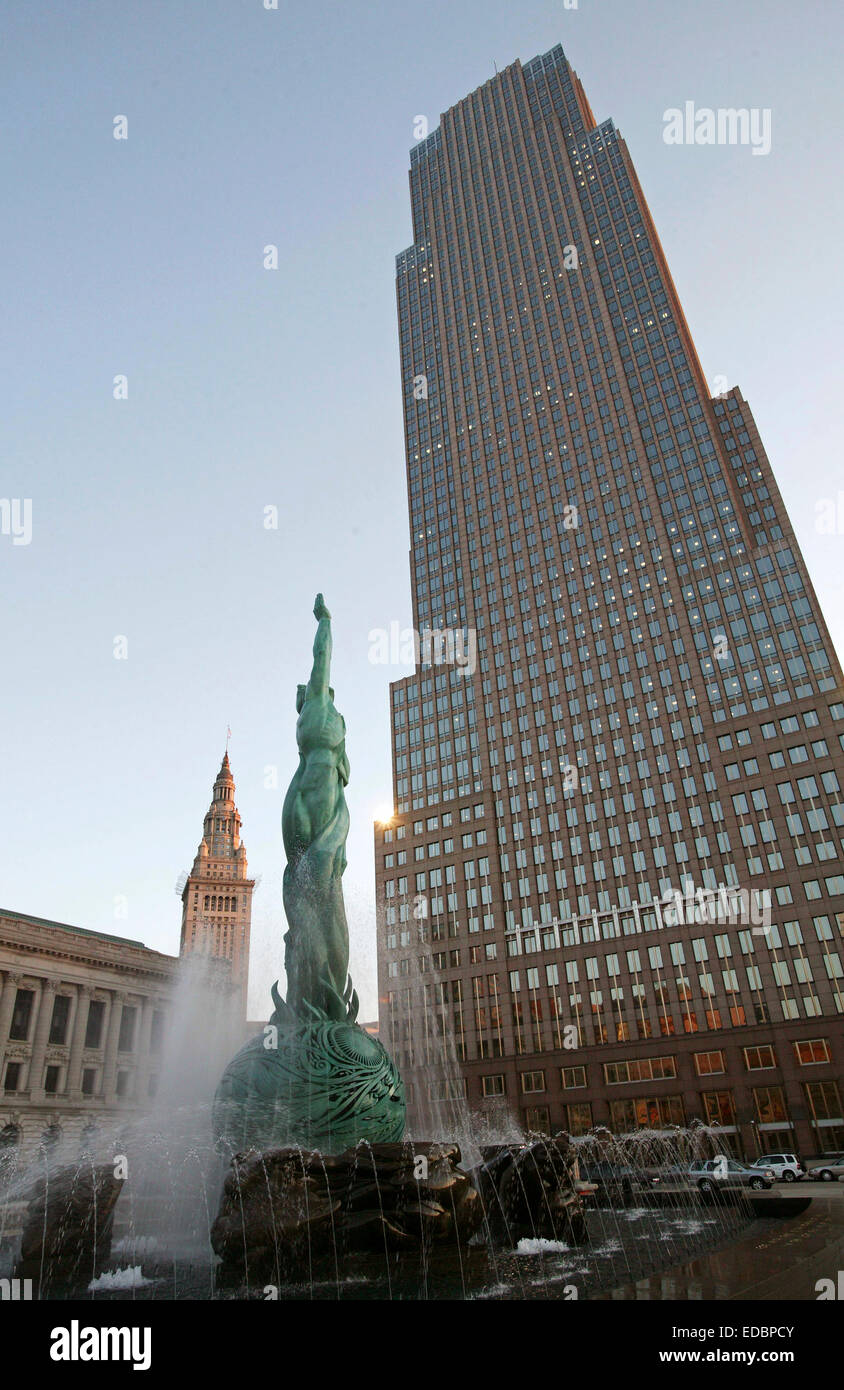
x=326 y=1083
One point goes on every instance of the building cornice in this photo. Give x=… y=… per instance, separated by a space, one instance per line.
x=32 y=936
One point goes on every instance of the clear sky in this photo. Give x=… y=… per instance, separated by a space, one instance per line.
x=250 y=388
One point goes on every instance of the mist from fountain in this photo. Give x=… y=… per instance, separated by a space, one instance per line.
x=166 y=1155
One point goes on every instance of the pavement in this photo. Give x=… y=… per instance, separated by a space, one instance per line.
x=778 y=1258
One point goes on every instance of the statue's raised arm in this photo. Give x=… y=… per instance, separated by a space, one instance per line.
x=319 y=685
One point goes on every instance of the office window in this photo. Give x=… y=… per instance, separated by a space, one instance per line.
x=126 y=1040
x=823 y=1100
x=579 y=1117
x=494 y=1085
x=812 y=1051
x=709 y=1063
x=759 y=1058
x=156 y=1041
x=60 y=1019
x=94 y=1025
x=719 y=1107
x=647 y=1111
x=640 y=1069
x=770 y=1104
x=21 y=1015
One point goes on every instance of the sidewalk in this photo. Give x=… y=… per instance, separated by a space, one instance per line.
x=776 y=1259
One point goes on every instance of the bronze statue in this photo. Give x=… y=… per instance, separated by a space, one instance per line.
x=314 y=825
x=314 y=1076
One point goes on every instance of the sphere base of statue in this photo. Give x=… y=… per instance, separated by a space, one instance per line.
x=315 y=1083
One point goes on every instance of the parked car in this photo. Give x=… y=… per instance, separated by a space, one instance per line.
x=724 y=1174
x=676 y=1174
x=785 y=1167
x=827 y=1167
x=614 y=1183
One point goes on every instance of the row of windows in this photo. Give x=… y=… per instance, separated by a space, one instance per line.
x=808 y=1053
x=747 y=941
x=90 y=1078
x=823 y=1103
x=213 y=903
x=808 y=789
x=22 y=1013
x=546 y=1025
x=554 y=769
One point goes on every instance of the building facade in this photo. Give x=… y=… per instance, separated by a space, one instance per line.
x=612 y=892
x=82 y=1024
x=217 y=896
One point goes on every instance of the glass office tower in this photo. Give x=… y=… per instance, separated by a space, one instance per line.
x=612 y=891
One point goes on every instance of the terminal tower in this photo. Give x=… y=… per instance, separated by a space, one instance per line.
x=217 y=897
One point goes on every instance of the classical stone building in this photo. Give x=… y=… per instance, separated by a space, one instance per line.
x=632 y=693
x=84 y=1015
x=217 y=897
x=82 y=1024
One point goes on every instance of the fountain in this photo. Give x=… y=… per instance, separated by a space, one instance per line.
x=314 y=1080
x=325 y=1195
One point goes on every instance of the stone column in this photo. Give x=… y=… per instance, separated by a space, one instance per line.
x=73 y=1087
x=118 y=997
x=39 y=1041
x=7 y=1004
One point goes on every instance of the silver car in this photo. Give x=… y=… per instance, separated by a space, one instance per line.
x=828 y=1167
x=724 y=1174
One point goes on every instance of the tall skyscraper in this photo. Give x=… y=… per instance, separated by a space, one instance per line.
x=614 y=875
x=217 y=897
